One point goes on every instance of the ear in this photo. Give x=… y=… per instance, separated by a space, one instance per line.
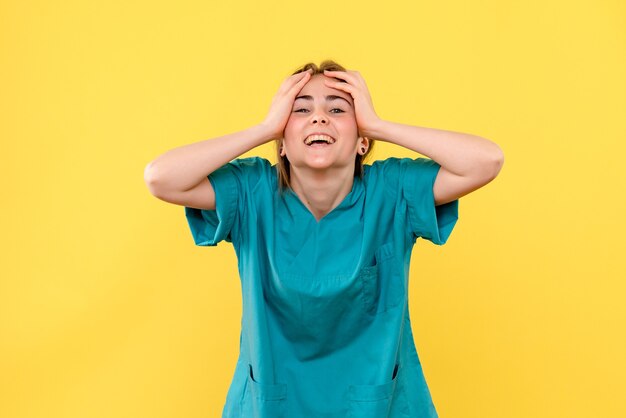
x=281 y=148
x=363 y=145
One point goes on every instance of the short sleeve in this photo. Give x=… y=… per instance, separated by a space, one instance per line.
x=232 y=184
x=434 y=223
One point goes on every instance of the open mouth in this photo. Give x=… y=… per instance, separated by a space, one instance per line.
x=319 y=140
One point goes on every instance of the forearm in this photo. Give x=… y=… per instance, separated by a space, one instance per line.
x=184 y=167
x=462 y=154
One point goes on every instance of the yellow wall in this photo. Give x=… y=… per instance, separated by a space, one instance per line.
x=107 y=309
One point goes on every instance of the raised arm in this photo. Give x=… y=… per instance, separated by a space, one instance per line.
x=180 y=175
x=467 y=161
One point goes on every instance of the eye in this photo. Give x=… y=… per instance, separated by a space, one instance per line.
x=334 y=110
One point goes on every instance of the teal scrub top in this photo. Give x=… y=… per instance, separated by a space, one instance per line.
x=325 y=328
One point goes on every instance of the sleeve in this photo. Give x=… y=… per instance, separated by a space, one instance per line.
x=434 y=223
x=231 y=183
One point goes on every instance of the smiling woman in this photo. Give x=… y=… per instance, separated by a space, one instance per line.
x=302 y=104
x=324 y=244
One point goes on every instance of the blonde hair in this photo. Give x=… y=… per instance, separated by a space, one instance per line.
x=283 y=163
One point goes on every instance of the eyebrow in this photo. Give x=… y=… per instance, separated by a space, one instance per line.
x=329 y=98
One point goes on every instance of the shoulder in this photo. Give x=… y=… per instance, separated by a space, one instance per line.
x=389 y=169
x=249 y=171
x=251 y=164
x=394 y=167
x=387 y=163
x=400 y=174
x=382 y=176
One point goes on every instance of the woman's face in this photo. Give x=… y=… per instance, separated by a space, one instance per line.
x=321 y=109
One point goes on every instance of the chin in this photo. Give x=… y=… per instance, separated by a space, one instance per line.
x=330 y=165
x=321 y=162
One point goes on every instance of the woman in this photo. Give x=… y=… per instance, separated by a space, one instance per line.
x=324 y=243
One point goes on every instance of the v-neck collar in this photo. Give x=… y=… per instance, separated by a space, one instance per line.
x=350 y=200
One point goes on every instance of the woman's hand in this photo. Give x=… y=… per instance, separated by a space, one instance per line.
x=366 y=117
x=282 y=103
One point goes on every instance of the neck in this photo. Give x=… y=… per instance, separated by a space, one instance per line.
x=321 y=191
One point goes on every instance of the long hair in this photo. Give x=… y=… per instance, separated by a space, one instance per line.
x=283 y=162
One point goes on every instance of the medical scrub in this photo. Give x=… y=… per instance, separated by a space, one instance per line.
x=325 y=328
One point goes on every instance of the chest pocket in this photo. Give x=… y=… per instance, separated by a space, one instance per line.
x=383 y=282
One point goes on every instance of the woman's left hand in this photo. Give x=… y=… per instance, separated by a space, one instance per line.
x=366 y=117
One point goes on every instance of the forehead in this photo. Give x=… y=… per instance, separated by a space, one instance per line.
x=315 y=87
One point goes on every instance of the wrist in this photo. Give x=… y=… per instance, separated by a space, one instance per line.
x=377 y=130
x=263 y=133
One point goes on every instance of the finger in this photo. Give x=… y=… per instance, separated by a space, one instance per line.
x=296 y=88
x=340 y=86
x=305 y=79
x=300 y=74
x=351 y=77
x=295 y=80
x=303 y=75
x=344 y=75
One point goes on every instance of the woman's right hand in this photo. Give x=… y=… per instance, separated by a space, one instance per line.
x=282 y=103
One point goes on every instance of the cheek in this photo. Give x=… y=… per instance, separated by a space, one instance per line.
x=291 y=123
x=349 y=125
x=293 y=127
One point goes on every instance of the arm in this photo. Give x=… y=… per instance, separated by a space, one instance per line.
x=467 y=162
x=180 y=175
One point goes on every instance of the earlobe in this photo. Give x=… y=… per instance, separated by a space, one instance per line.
x=281 y=147
x=364 y=145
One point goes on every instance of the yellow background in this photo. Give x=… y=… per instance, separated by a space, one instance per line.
x=108 y=309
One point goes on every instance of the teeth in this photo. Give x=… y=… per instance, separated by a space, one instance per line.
x=325 y=138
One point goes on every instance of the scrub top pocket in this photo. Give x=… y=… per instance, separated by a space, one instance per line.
x=263 y=400
x=372 y=401
x=383 y=284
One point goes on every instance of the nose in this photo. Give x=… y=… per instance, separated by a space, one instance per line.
x=319 y=118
